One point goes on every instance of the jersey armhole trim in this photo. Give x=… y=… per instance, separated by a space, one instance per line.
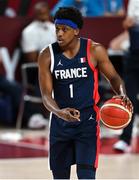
x=89 y=55
x=52 y=58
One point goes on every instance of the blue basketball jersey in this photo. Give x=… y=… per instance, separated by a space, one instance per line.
x=74 y=80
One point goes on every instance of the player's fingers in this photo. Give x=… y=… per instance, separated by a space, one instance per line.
x=117 y=96
x=72 y=117
x=128 y=103
x=132 y=109
x=131 y=106
x=72 y=109
x=125 y=102
x=74 y=112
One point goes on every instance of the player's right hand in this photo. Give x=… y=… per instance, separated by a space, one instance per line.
x=69 y=114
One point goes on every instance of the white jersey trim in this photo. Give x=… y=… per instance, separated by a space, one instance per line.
x=52 y=58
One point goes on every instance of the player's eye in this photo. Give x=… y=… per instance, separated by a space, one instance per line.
x=57 y=29
x=65 y=29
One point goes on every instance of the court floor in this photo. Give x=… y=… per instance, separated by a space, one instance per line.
x=24 y=155
x=110 y=167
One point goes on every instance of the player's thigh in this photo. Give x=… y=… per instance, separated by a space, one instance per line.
x=86 y=145
x=62 y=154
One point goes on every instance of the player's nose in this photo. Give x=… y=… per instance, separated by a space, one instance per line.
x=60 y=33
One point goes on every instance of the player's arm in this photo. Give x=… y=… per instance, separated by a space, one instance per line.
x=46 y=87
x=101 y=60
x=107 y=69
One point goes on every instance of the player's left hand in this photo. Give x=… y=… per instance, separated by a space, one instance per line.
x=125 y=101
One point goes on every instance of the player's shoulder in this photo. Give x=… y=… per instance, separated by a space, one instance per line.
x=45 y=51
x=98 y=47
x=97 y=50
x=95 y=44
x=44 y=57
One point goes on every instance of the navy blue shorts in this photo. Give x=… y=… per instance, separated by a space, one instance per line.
x=73 y=143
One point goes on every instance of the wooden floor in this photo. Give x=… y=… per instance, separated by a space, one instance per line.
x=110 y=167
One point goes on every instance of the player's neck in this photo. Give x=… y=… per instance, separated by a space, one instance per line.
x=72 y=49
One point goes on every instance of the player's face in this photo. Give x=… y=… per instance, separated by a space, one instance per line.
x=65 y=34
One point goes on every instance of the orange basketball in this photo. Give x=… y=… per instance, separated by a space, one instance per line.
x=114 y=115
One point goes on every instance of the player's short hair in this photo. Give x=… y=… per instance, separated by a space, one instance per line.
x=70 y=13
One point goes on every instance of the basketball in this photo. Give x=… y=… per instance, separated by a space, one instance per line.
x=114 y=114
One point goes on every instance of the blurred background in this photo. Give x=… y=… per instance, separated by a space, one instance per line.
x=26 y=27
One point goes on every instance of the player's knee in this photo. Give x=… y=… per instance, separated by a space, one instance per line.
x=61 y=173
x=86 y=171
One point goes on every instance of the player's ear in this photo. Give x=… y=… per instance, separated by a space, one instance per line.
x=76 y=31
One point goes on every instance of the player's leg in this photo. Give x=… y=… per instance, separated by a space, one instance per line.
x=86 y=171
x=62 y=149
x=86 y=145
x=61 y=173
x=61 y=158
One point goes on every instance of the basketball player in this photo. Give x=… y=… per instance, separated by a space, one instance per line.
x=68 y=69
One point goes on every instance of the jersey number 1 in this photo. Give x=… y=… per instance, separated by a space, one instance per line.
x=71 y=90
